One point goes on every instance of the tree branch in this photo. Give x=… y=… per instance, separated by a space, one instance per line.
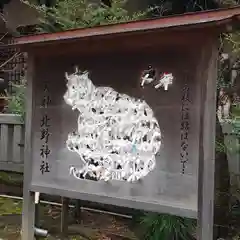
x=3 y=37
x=17 y=54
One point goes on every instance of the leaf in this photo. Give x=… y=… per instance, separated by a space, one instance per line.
x=70 y=14
x=16 y=101
x=167 y=227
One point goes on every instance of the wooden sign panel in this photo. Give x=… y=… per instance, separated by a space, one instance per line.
x=125 y=134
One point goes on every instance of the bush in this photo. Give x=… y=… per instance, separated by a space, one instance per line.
x=167 y=227
x=71 y=14
x=16 y=101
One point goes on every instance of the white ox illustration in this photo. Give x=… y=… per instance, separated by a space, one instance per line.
x=117 y=136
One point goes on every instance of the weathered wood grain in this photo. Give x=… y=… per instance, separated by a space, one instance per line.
x=10 y=119
x=206 y=171
x=11 y=142
x=28 y=216
x=17 y=149
x=4 y=143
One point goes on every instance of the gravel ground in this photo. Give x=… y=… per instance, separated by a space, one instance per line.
x=91 y=226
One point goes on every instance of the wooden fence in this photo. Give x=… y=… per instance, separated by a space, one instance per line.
x=11 y=143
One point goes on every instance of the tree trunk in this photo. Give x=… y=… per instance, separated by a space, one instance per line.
x=222 y=189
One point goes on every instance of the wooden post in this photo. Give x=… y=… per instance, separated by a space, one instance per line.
x=207 y=143
x=78 y=210
x=64 y=215
x=4 y=156
x=37 y=217
x=28 y=212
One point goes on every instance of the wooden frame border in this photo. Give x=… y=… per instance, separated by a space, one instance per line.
x=206 y=156
x=206 y=167
x=28 y=212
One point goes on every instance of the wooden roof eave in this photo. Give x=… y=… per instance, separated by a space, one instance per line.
x=209 y=22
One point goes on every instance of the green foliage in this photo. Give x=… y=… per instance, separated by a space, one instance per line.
x=11 y=178
x=9 y=206
x=233 y=40
x=223 y=80
x=71 y=14
x=167 y=227
x=183 y=6
x=220 y=147
x=16 y=101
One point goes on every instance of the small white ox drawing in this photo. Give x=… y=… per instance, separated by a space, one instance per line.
x=165 y=80
x=150 y=76
x=117 y=136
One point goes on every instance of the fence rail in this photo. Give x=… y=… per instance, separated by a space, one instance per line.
x=11 y=143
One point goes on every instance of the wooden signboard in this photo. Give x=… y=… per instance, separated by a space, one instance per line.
x=133 y=125
x=58 y=169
